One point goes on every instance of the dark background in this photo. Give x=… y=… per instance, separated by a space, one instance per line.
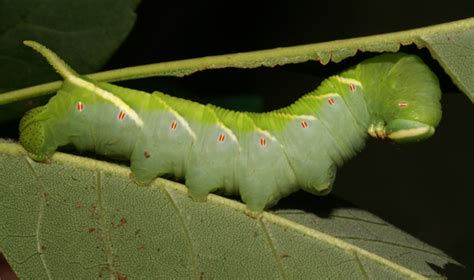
x=424 y=189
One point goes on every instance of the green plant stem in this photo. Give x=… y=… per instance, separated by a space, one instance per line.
x=334 y=51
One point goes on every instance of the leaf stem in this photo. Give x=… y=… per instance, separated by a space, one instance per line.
x=325 y=52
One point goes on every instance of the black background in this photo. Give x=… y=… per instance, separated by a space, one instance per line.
x=425 y=189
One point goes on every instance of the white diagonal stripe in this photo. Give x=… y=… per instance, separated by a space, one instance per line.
x=107 y=96
x=349 y=81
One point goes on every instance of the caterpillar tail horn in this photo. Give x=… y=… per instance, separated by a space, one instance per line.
x=59 y=65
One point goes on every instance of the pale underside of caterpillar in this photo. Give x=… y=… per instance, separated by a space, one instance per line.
x=261 y=156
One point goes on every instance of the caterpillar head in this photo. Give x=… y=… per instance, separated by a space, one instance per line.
x=405 y=100
x=33 y=134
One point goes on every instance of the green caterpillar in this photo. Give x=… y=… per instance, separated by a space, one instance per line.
x=263 y=157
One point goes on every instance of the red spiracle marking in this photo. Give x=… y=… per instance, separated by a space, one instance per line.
x=174 y=125
x=304 y=124
x=121 y=115
x=331 y=101
x=352 y=87
x=80 y=106
x=402 y=104
x=221 y=137
x=263 y=141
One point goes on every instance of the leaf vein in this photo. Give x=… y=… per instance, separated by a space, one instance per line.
x=185 y=228
x=389 y=243
x=41 y=206
x=273 y=248
x=361 y=266
x=106 y=238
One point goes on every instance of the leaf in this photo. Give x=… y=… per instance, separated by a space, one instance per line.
x=84 y=32
x=450 y=43
x=82 y=217
x=454 y=50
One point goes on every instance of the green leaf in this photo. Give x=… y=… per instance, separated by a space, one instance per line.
x=449 y=43
x=455 y=52
x=78 y=216
x=84 y=32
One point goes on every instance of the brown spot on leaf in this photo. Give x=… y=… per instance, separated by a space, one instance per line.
x=121 y=277
x=91 y=230
x=146 y=154
x=94 y=211
x=123 y=221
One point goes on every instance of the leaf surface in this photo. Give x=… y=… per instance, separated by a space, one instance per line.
x=82 y=217
x=454 y=50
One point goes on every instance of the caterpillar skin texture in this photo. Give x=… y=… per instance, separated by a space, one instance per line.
x=261 y=156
